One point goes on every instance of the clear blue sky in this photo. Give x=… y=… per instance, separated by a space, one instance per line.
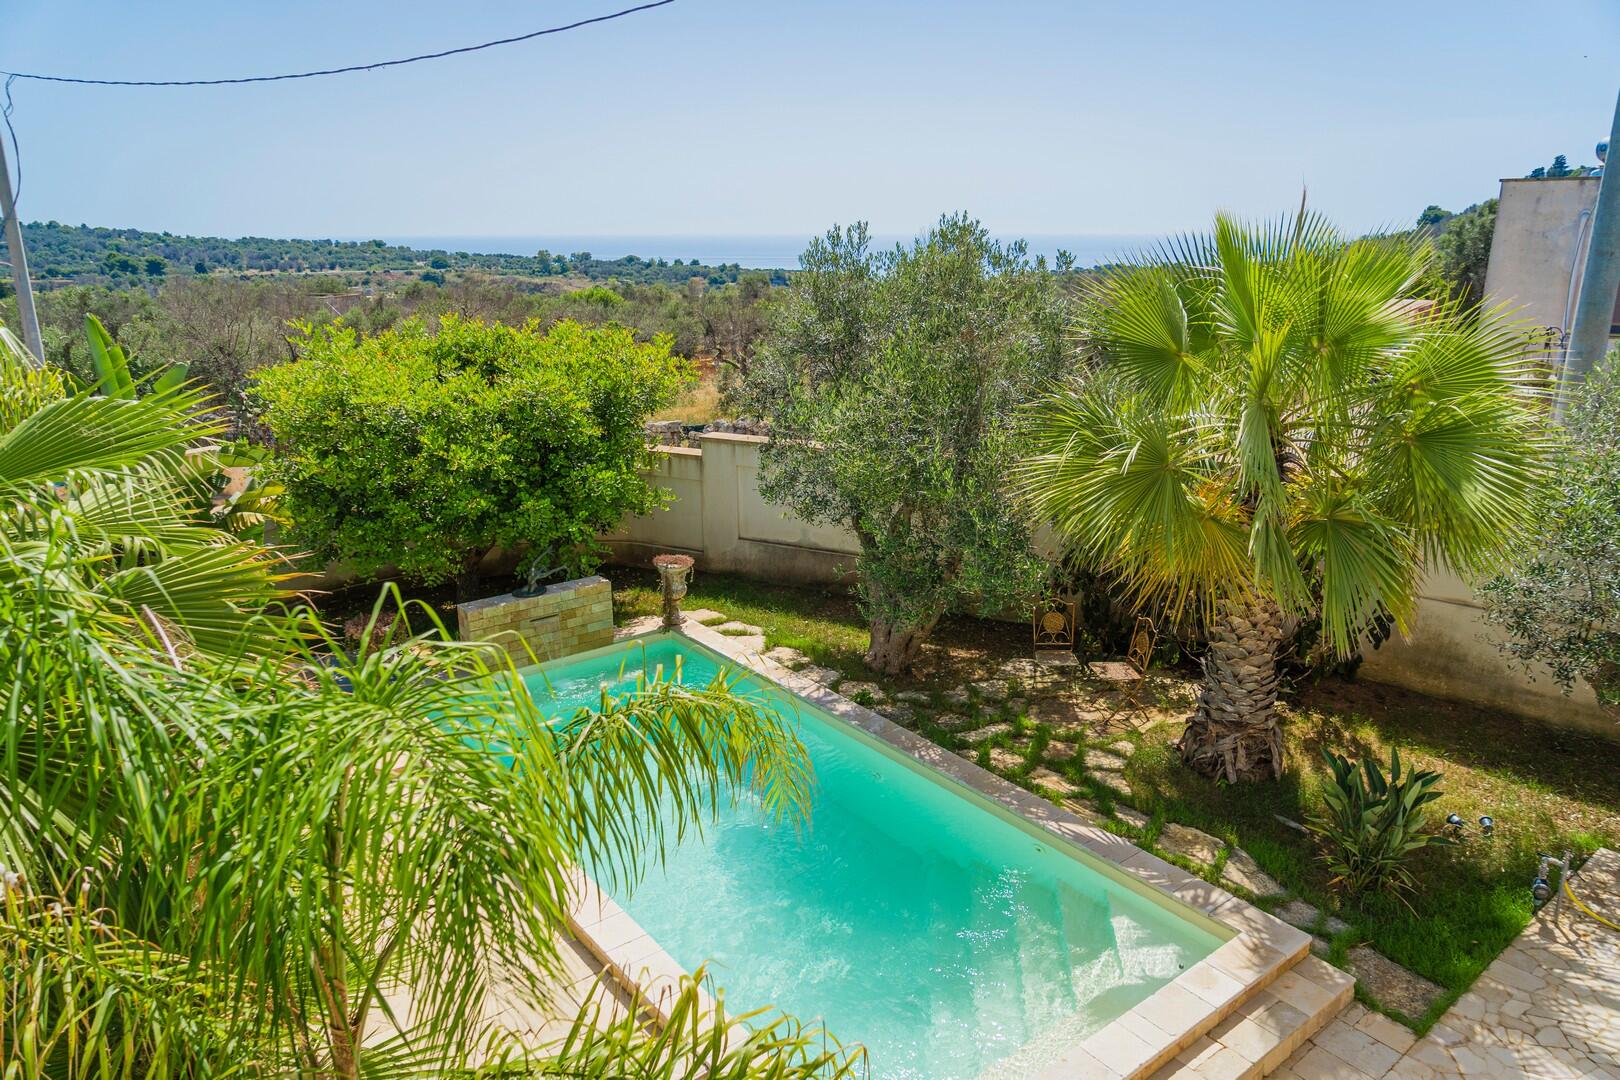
x=768 y=116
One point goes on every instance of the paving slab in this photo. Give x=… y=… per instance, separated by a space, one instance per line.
x=790 y=658
x=1547 y=1007
x=867 y=693
x=989 y=731
x=1241 y=870
x=1190 y=843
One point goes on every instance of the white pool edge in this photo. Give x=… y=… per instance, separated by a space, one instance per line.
x=1136 y=1043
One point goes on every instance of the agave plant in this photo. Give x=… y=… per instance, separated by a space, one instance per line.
x=231 y=848
x=1372 y=824
x=1269 y=428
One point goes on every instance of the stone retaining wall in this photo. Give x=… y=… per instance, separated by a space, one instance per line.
x=568 y=617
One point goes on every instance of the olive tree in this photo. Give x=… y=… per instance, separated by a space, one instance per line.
x=426 y=451
x=891 y=383
x=1561 y=606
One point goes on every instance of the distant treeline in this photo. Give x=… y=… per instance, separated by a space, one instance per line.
x=225 y=328
x=85 y=254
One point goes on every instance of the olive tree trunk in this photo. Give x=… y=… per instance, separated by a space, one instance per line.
x=1235 y=734
x=894 y=647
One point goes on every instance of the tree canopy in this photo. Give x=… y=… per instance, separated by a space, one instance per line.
x=1561 y=606
x=1271 y=428
x=891 y=382
x=426 y=451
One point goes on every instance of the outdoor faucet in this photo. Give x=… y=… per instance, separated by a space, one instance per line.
x=1542 y=888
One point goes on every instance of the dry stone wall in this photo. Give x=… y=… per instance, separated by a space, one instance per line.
x=569 y=617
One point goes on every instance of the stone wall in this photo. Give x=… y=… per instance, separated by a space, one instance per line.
x=568 y=617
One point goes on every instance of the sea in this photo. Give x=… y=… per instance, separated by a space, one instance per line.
x=750 y=252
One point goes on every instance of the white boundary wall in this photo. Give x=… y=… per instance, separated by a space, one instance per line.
x=719 y=518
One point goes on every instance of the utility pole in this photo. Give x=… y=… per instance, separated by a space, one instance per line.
x=19 y=262
x=1594 y=312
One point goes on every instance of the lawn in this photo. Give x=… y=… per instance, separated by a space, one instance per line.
x=1546 y=789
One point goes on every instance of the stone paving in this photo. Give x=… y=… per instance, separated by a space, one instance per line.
x=1548 y=1008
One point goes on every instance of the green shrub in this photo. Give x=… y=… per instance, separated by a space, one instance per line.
x=1372 y=824
x=426 y=451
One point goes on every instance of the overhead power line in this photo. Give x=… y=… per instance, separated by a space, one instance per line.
x=339 y=70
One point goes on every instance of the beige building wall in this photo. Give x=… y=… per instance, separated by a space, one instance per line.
x=1451 y=653
x=719 y=518
x=1538 y=253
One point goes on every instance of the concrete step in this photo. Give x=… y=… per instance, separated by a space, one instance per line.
x=1267 y=1027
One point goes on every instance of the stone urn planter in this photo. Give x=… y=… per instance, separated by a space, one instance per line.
x=674 y=571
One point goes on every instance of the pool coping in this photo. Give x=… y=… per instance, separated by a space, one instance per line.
x=1135 y=1044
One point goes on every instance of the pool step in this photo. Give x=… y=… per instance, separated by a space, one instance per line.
x=1267 y=1027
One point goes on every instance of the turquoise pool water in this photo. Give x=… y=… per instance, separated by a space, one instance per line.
x=905 y=915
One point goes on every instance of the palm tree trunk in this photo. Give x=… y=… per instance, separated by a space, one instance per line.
x=1235 y=734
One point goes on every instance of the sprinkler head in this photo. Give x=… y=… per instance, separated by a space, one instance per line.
x=1487 y=824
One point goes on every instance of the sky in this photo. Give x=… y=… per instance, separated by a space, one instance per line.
x=781 y=117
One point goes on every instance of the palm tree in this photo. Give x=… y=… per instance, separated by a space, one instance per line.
x=228 y=846
x=1271 y=428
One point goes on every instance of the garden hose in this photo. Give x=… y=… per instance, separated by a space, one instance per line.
x=1570 y=892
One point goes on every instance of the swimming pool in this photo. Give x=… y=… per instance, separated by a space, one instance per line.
x=908 y=914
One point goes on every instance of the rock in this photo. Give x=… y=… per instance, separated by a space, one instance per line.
x=1190 y=843
x=991 y=689
x=1053 y=781
x=1391 y=985
x=792 y=659
x=916 y=697
x=867 y=693
x=1102 y=759
x=1123 y=747
x=989 y=731
x=956 y=696
x=1022 y=743
x=1241 y=870
x=1113 y=782
x=1057 y=750
x=1132 y=816
x=1005 y=760
x=826 y=676
x=704 y=616
x=953 y=721
x=1017 y=706
x=738 y=629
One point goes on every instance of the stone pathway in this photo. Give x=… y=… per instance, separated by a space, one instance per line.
x=1547 y=1008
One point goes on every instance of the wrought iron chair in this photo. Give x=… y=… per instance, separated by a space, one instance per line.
x=1129 y=677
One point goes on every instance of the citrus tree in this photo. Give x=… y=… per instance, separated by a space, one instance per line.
x=228 y=847
x=1267 y=428
x=425 y=451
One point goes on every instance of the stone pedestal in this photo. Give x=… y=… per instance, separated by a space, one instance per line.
x=569 y=617
x=673 y=573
